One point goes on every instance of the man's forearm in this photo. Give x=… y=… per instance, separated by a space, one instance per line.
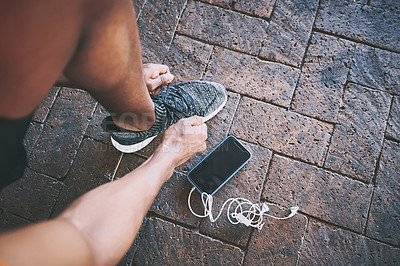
x=126 y=202
x=99 y=227
x=46 y=243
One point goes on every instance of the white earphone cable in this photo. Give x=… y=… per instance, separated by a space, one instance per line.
x=245 y=211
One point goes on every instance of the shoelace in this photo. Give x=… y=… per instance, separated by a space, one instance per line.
x=181 y=102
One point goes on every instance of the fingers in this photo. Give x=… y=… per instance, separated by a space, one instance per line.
x=160 y=80
x=184 y=139
x=156 y=91
x=166 y=78
x=201 y=131
x=156 y=69
x=195 y=120
x=195 y=126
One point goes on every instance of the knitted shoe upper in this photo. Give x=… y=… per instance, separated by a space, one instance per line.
x=183 y=100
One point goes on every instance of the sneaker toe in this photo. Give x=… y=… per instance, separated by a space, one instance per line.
x=219 y=91
x=209 y=97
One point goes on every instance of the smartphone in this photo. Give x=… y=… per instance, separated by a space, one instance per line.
x=211 y=173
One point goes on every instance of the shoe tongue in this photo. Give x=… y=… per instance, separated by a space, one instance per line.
x=161 y=114
x=177 y=102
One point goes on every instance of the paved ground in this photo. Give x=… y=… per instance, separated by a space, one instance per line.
x=313 y=91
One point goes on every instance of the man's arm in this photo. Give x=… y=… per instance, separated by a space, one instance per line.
x=99 y=227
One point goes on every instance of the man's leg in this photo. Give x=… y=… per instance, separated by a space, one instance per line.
x=38 y=40
x=94 y=43
x=108 y=64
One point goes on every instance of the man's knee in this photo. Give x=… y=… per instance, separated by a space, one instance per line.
x=103 y=58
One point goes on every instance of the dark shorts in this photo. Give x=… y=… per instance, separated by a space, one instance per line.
x=13 y=159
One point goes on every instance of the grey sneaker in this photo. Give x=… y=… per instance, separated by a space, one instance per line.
x=201 y=98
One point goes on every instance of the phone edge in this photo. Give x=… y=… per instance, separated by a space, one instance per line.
x=241 y=166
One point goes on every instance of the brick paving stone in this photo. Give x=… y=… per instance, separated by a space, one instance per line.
x=384 y=216
x=267 y=81
x=247 y=183
x=323 y=77
x=157 y=24
x=9 y=221
x=260 y=8
x=277 y=243
x=393 y=126
x=318 y=93
x=94 y=165
x=223 y=3
x=223 y=27
x=94 y=129
x=326 y=245
x=31 y=136
x=357 y=139
x=281 y=130
x=289 y=31
x=217 y=129
x=127 y=259
x=129 y=162
x=325 y=49
x=378 y=26
x=164 y=242
x=43 y=109
x=376 y=68
x=54 y=152
x=31 y=197
x=187 y=58
x=318 y=192
x=171 y=200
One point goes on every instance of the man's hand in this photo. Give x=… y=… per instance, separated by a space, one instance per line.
x=183 y=140
x=156 y=75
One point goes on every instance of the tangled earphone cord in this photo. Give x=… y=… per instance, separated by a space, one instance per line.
x=246 y=212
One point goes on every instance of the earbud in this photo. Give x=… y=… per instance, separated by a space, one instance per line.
x=240 y=217
x=264 y=208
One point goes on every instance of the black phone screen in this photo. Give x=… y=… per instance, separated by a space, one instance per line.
x=218 y=166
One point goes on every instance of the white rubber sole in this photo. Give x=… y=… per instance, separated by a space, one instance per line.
x=141 y=145
x=131 y=148
x=216 y=110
